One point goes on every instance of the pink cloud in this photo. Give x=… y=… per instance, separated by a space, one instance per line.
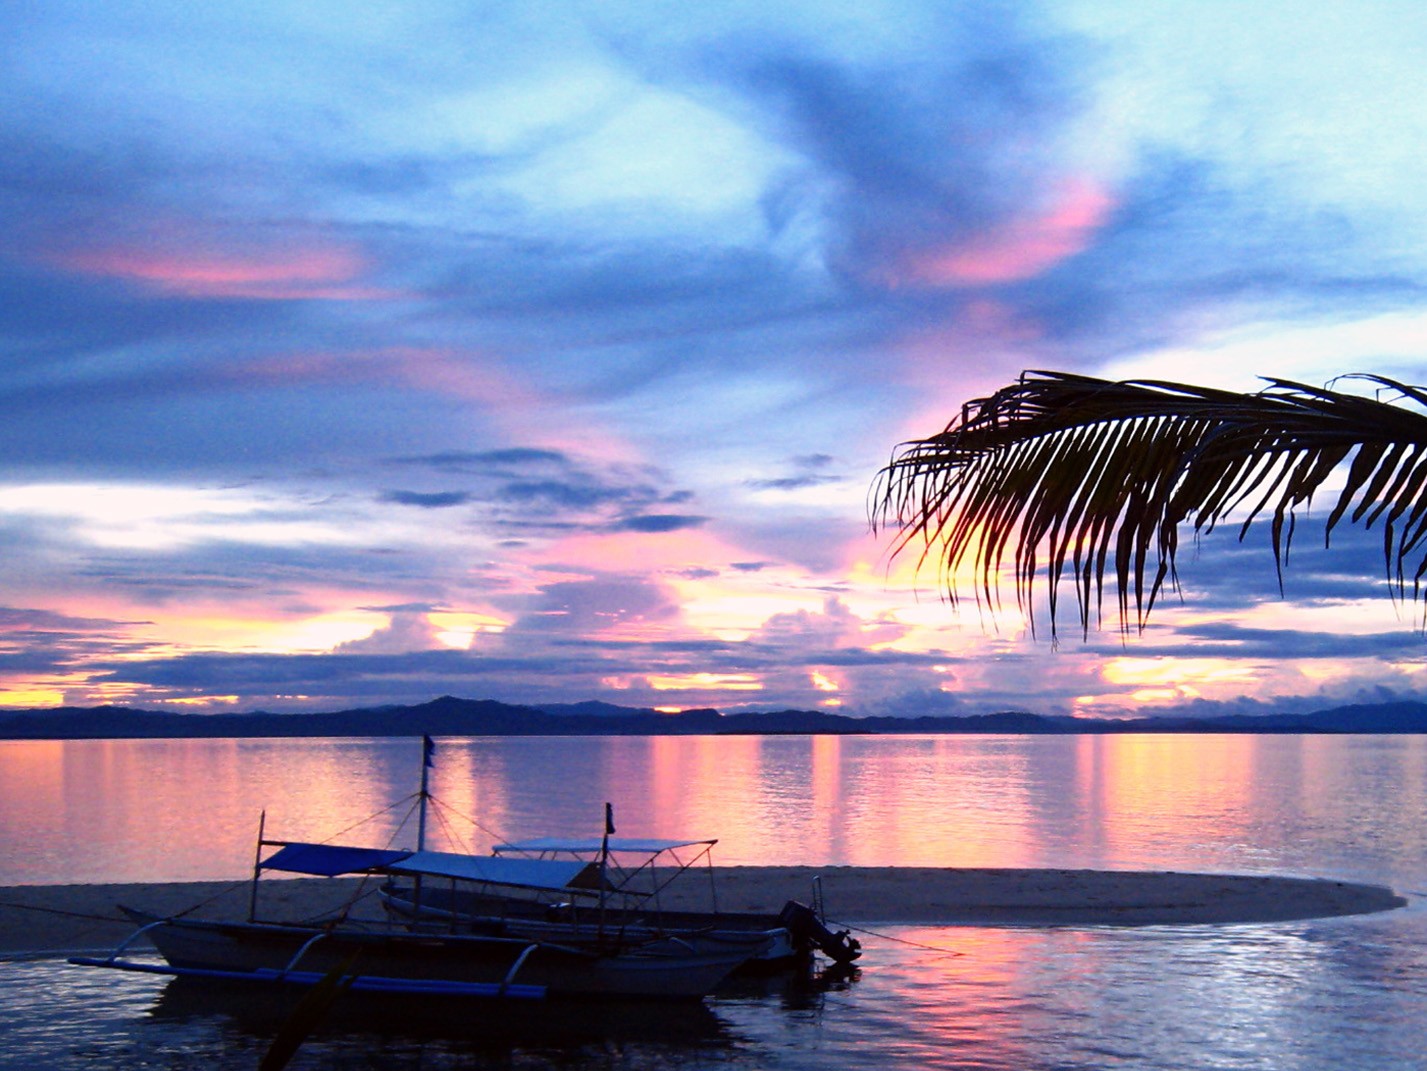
x=638 y=552
x=1022 y=248
x=313 y=272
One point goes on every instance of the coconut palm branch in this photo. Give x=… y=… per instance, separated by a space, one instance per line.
x=1079 y=478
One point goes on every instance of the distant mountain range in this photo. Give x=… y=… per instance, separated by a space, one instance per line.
x=450 y=716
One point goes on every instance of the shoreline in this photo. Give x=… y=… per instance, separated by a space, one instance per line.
x=57 y=919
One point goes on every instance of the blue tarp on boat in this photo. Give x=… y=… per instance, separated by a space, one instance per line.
x=329 y=860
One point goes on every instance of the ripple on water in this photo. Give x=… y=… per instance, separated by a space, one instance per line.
x=1339 y=993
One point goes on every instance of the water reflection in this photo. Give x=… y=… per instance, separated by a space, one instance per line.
x=382 y=1021
x=1338 y=993
x=1162 y=997
x=185 y=810
x=950 y=1007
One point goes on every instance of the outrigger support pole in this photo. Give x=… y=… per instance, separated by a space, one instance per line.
x=425 y=796
x=257 y=868
x=604 y=860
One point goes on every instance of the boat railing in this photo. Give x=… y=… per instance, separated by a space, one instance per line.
x=123 y=946
x=292 y=963
x=509 y=978
x=638 y=874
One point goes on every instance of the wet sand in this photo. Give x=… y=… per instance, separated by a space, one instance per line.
x=67 y=918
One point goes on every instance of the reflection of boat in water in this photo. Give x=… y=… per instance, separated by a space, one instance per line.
x=493 y=1029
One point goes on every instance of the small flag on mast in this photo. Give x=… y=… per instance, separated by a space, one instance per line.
x=428 y=751
x=609 y=819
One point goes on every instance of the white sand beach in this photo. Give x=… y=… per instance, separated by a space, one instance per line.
x=66 y=918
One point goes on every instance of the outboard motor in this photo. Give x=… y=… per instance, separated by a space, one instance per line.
x=809 y=933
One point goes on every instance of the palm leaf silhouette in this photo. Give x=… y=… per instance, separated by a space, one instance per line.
x=1079 y=477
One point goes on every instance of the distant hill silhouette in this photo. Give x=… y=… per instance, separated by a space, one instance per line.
x=450 y=716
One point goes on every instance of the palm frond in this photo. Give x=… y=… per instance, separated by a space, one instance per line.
x=1081 y=477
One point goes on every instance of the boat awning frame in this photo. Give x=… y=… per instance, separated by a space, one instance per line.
x=574 y=845
x=649 y=866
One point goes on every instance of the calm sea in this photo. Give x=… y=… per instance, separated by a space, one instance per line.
x=1320 y=994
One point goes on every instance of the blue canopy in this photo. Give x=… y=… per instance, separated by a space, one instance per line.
x=329 y=860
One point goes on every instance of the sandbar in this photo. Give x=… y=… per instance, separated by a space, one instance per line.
x=62 y=919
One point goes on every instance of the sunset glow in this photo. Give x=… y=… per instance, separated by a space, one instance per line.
x=711 y=681
x=561 y=365
x=966 y=461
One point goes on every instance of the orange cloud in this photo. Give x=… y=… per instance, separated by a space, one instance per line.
x=719 y=682
x=1024 y=247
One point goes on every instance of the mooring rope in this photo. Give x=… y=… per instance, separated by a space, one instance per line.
x=413 y=800
x=227 y=890
x=474 y=822
x=60 y=911
x=831 y=924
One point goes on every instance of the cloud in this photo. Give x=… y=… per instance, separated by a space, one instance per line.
x=582 y=322
x=554 y=491
x=636 y=307
x=571 y=639
x=912 y=160
x=1225 y=573
x=41 y=642
x=505 y=461
x=811 y=472
x=659 y=522
x=283 y=274
x=406 y=608
x=429 y=499
x=834 y=627
x=1189 y=248
x=596 y=607
x=405 y=632
x=1220 y=640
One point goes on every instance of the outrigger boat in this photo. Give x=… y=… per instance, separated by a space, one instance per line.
x=463 y=957
x=380 y=958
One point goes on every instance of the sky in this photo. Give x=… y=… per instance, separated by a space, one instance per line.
x=548 y=352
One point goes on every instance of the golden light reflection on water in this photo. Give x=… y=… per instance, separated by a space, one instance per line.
x=34 y=776
x=949 y=1007
x=188 y=809
x=1132 y=785
x=1047 y=996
